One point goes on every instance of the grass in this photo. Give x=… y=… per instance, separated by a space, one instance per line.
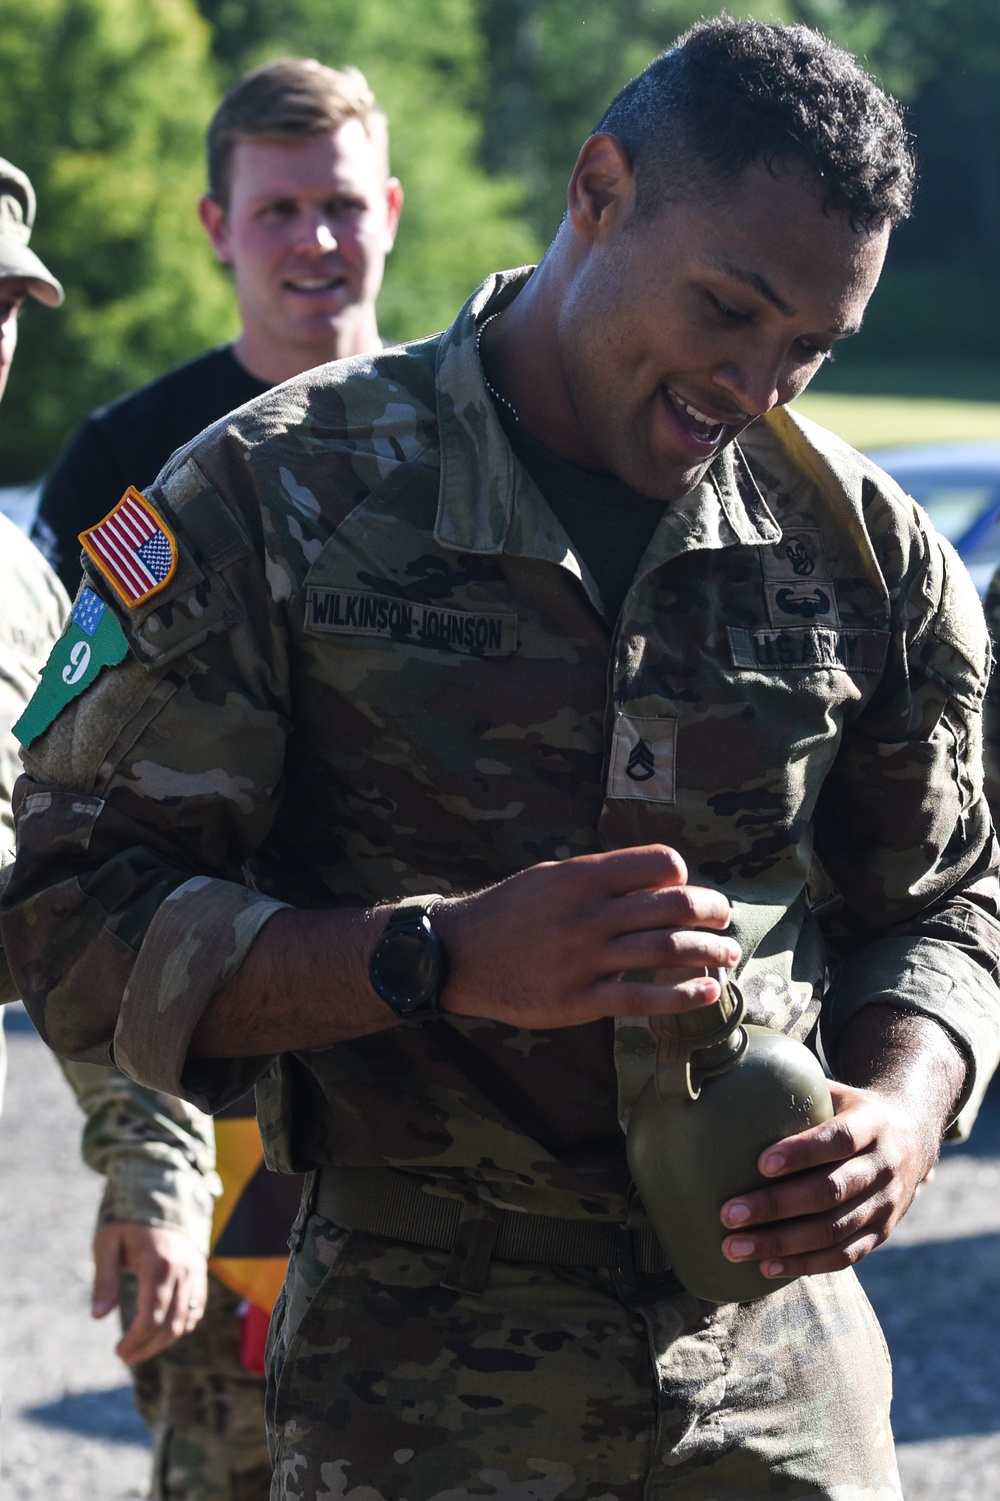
x=878 y=421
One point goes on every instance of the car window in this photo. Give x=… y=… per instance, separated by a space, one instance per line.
x=953 y=508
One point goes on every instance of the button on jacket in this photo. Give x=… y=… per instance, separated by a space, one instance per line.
x=380 y=669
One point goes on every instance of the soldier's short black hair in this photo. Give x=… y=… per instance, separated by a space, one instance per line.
x=734 y=93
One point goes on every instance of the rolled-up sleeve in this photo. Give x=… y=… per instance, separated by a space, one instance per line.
x=199 y=936
x=155 y=1153
x=904 y=831
x=128 y=905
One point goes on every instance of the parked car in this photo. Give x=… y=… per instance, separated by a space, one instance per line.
x=958 y=485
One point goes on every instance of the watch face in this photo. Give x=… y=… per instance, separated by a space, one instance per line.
x=406 y=968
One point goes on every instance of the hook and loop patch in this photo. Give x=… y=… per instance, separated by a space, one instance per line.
x=133 y=548
x=93 y=639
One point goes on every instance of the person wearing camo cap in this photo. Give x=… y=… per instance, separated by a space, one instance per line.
x=34 y=605
x=156 y=1151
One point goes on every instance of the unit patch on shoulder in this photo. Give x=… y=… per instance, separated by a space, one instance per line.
x=93 y=639
x=133 y=548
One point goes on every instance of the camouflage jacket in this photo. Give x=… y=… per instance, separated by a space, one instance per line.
x=33 y=606
x=157 y=1154
x=380 y=668
x=991 y=705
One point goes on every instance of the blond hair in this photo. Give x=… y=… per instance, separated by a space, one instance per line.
x=292 y=97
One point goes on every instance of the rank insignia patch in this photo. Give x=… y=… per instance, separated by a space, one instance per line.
x=643 y=757
x=93 y=639
x=133 y=548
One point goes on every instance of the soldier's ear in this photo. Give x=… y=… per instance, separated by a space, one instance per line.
x=601 y=192
x=213 y=217
x=394 y=207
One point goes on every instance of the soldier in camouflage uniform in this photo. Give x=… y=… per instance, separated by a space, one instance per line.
x=353 y=661
x=32 y=610
x=156 y=1152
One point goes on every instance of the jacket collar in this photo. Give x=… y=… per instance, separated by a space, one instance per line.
x=487 y=503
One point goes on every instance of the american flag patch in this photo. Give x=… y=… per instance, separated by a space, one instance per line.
x=133 y=548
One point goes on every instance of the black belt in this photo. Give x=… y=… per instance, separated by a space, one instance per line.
x=390 y=1204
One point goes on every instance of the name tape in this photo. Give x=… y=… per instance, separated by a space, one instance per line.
x=473 y=633
x=774 y=651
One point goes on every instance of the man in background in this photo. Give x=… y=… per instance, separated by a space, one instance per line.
x=302 y=207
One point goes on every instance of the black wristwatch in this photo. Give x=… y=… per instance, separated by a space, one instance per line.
x=409 y=966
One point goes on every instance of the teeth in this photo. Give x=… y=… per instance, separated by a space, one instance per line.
x=316 y=284
x=700 y=416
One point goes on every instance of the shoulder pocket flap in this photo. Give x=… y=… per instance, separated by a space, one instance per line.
x=198 y=603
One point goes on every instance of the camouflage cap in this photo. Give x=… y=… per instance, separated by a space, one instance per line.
x=17 y=215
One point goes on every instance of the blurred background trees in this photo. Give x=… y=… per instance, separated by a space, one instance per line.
x=105 y=104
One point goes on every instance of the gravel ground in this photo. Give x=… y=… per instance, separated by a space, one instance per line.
x=69 y=1430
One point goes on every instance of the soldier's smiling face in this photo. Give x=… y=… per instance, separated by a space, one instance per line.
x=676 y=330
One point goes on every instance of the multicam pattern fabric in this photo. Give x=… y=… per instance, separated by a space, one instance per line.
x=991 y=707
x=33 y=609
x=362 y=559
x=206 y=1412
x=156 y=1153
x=33 y=606
x=565 y=1383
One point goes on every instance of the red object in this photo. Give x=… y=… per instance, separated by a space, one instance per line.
x=254 y=1322
x=132 y=548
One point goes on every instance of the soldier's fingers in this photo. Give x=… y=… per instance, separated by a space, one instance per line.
x=817 y=1192
x=675 y=953
x=159 y=1327
x=184 y=1310
x=139 y=1342
x=633 y=998
x=154 y=1297
x=854 y=1129
x=836 y=1259
x=870 y=1214
x=645 y=867
x=107 y=1272
x=673 y=907
x=192 y=1293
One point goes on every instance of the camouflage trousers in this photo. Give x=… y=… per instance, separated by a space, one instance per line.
x=206 y=1412
x=555 y=1382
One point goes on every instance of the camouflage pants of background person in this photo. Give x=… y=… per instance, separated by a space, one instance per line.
x=206 y=1412
x=557 y=1382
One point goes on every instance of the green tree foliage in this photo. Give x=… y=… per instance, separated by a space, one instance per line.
x=938 y=305
x=103 y=104
x=553 y=68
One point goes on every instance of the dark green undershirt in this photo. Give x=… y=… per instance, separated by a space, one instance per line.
x=609 y=524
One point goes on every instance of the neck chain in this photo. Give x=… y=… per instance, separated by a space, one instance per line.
x=486 y=380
